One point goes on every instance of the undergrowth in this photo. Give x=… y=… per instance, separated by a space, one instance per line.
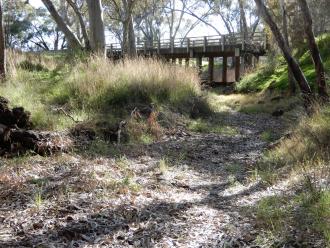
x=302 y=160
x=57 y=89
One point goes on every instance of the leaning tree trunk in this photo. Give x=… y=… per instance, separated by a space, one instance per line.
x=319 y=67
x=71 y=38
x=292 y=82
x=293 y=64
x=81 y=23
x=96 y=26
x=2 y=45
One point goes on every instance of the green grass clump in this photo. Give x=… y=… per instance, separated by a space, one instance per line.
x=272 y=212
x=278 y=214
x=204 y=126
x=267 y=136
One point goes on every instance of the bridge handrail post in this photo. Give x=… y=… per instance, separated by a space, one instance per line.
x=188 y=45
x=111 y=48
x=205 y=43
x=223 y=42
x=158 y=46
x=145 y=47
x=172 y=44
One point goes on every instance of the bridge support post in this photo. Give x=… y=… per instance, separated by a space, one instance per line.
x=237 y=65
x=173 y=60
x=211 y=69
x=224 y=70
x=237 y=68
x=199 y=64
x=180 y=61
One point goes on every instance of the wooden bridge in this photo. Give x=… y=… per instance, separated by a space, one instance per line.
x=231 y=46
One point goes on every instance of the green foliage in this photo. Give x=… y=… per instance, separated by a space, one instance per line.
x=274 y=76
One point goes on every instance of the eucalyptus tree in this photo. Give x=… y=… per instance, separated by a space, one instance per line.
x=314 y=50
x=283 y=6
x=77 y=7
x=292 y=62
x=72 y=39
x=96 y=26
x=149 y=19
x=122 y=12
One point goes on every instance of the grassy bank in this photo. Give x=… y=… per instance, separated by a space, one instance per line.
x=273 y=74
x=303 y=162
x=95 y=90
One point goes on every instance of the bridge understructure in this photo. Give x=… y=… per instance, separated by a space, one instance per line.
x=228 y=47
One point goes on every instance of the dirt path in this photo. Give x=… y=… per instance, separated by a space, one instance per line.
x=190 y=190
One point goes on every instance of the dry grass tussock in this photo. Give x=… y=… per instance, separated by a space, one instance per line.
x=100 y=83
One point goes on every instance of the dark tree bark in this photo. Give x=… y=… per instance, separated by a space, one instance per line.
x=73 y=41
x=319 y=67
x=293 y=64
x=2 y=45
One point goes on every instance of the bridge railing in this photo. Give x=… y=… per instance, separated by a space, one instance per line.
x=259 y=38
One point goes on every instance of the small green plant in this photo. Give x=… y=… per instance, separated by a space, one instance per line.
x=267 y=136
x=38 y=200
x=122 y=162
x=233 y=168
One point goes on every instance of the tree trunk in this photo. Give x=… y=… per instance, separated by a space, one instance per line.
x=81 y=22
x=292 y=83
x=2 y=45
x=293 y=64
x=129 y=35
x=96 y=26
x=73 y=41
x=244 y=27
x=319 y=67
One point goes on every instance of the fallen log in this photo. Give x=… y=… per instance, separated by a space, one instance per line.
x=16 y=136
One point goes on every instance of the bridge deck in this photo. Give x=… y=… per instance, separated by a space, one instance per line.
x=195 y=47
